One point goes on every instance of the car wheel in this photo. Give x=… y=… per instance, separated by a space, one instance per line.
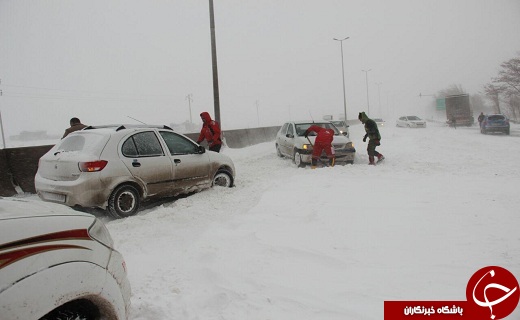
x=223 y=179
x=124 y=202
x=350 y=162
x=507 y=132
x=278 y=152
x=75 y=310
x=298 y=159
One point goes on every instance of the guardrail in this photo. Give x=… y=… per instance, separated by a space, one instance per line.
x=18 y=166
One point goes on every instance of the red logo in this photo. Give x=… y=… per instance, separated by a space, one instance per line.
x=493 y=288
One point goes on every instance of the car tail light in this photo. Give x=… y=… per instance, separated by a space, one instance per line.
x=92 y=166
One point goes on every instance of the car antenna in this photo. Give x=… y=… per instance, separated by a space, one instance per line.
x=136 y=120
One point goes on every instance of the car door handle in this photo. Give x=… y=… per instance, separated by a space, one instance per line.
x=136 y=164
x=177 y=161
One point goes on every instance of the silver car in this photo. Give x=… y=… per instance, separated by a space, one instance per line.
x=56 y=263
x=342 y=126
x=117 y=167
x=291 y=143
x=410 y=122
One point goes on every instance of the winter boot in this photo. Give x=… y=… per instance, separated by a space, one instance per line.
x=380 y=157
x=371 y=161
x=314 y=163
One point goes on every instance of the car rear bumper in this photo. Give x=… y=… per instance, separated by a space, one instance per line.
x=80 y=192
x=496 y=128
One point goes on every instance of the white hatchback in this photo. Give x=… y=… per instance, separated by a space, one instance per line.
x=117 y=167
x=56 y=263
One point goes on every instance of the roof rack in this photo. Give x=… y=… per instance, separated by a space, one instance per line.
x=118 y=127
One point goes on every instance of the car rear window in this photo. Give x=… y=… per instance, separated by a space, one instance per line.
x=497 y=117
x=90 y=143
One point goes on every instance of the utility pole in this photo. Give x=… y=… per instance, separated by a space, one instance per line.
x=343 y=75
x=1 y=123
x=368 y=101
x=379 y=96
x=189 y=97
x=216 y=97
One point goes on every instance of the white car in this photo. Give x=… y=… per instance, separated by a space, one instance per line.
x=380 y=122
x=342 y=126
x=117 y=167
x=291 y=143
x=56 y=263
x=410 y=122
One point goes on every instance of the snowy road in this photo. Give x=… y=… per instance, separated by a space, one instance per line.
x=331 y=243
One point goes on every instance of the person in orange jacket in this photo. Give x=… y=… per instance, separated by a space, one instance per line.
x=210 y=132
x=322 y=143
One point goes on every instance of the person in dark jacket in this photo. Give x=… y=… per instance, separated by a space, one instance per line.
x=75 y=125
x=322 y=143
x=210 y=132
x=480 y=119
x=372 y=132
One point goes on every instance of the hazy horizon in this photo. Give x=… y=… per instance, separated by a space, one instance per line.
x=115 y=61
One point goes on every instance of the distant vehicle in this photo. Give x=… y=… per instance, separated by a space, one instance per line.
x=58 y=264
x=117 y=167
x=342 y=126
x=291 y=143
x=458 y=109
x=495 y=123
x=410 y=122
x=380 y=122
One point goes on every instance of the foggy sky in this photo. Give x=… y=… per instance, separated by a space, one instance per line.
x=107 y=61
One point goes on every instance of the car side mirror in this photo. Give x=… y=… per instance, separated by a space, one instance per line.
x=201 y=149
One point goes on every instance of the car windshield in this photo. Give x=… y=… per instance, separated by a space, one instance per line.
x=496 y=118
x=339 y=123
x=413 y=118
x=301 y=127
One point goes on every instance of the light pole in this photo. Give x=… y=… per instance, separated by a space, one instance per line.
x=216 y=95
x=343 y=75
x=190 y=99
x=379 y=96
x=366 y=78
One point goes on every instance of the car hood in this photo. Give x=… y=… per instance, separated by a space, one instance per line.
x=13 y=208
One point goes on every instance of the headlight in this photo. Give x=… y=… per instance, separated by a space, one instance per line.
x=307 y=147
x=99 y=232
x=350 y=145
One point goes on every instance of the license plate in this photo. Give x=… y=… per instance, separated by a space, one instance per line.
x=56 y=197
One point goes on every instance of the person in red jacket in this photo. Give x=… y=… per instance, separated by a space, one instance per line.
x=210 y=132
x=322 y=143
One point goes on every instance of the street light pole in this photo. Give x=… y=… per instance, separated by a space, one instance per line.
x=216 y=96
x=368 y=101
x=190 y=99
x=379 y=97
x=343 y=75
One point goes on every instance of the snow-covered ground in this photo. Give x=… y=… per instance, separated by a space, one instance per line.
x=331 y=243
